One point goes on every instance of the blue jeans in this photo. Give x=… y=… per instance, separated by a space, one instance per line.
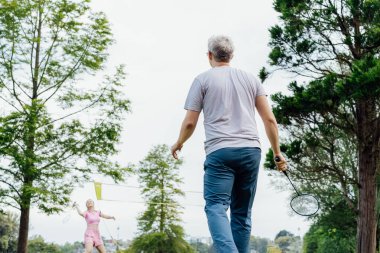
x=230 y=181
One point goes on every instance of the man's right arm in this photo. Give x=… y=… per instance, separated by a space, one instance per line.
x=271 y=128
x=188 y=126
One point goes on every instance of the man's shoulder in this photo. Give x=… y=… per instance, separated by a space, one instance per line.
x=212 y=72
x=203 y=75
x=246 y=73
x=215 y=73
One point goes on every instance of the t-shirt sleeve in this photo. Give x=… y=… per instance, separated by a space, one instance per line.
x=85 y=214
x=194 y=100
x=260 y=91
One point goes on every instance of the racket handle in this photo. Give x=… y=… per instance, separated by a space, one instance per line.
x=278 y=159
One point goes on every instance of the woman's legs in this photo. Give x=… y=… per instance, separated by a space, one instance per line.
x=88 y=247
x=101 y=249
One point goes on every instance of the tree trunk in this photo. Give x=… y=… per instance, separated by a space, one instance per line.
x=368 y=162
x=162 y=215
x=29 y=175
x=29 y=171
x=23 y=230
x=377 y=235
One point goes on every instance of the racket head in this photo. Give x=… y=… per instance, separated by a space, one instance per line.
x=66 y=219
x=305 y=204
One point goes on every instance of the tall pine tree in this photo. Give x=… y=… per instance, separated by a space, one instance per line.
x=160 y=230
x=337 y=45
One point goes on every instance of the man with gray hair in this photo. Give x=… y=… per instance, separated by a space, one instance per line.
x=228 y=98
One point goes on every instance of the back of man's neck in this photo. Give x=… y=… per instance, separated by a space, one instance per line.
x=221 y=64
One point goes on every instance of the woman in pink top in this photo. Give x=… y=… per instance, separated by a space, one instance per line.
x=92 y=236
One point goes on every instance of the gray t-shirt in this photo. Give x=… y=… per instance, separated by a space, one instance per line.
x=227 y=97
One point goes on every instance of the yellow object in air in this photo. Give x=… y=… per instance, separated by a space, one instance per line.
x=98 y=190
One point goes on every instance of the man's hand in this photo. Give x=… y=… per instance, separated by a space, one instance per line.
x=176 y=147
x=280 y=162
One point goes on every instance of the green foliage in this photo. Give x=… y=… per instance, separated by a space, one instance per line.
x=327 y=170
x=200 y=247
x=319 y=96
x=8 y=232
x=158 y=242
x=38 y=245
x=321 y=37
x=71 y=40
x=321 y=147
x=159 y=226
x=284 y=242
x=332 y=121
x=57 y=127
x=322 y=159
x=364 y=80
x=334 y=232
x=283 y=233
x=158 y=175
x=258 y=244
x=263 y=75
x=287 y=242
x=48 y=144
x=72 y=247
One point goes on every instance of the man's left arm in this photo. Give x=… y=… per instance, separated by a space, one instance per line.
x=188 y=126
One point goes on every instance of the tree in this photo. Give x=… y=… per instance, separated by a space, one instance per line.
x=287 y=242
x=283 y=233
x=258 y=244
x=56 y=130
x=212 y=249
x=76 y=247
x=333 y=232
x=37 y=244
x=337 y=45
x=322 y=158
x=159 y=228
x=199 y=246
x=8 y=232
x=323 y=162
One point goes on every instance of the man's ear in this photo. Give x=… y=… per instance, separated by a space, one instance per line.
x=210 y=56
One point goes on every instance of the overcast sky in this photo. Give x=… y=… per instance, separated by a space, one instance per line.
x=163 y=45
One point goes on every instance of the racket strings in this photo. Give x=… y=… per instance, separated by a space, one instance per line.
x=305 y=205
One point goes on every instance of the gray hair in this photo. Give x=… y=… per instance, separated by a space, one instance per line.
x=221 y=48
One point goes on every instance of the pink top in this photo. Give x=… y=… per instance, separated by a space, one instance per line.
x=92 y=234
x=92 y=217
